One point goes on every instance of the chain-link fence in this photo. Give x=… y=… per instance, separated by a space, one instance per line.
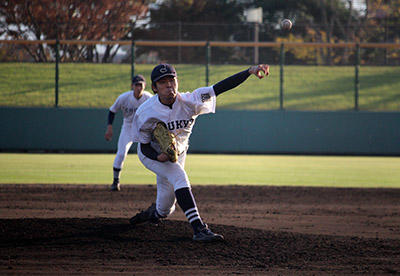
x=304 y=76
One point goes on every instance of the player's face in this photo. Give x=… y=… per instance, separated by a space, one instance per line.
x=166 y=89
x=138 y=89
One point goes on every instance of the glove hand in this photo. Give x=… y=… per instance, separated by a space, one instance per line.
x=162 y=157
x=166 y=140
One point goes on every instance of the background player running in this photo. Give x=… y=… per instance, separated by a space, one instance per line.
x=178 y=111
x=128 y=102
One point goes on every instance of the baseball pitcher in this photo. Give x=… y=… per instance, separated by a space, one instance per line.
x=162 y=126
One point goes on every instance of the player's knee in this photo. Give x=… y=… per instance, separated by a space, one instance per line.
x=119 y=158
x=165 y=212
x=179 y=179
x=121 y=155
x=181 y=182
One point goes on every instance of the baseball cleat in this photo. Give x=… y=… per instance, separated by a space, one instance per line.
x=206 y=235
x=148 y=215
x=115 y=187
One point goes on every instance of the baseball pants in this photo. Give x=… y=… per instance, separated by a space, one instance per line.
x=170 y=177
x=124 y=144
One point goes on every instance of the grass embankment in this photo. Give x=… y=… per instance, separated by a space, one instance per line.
x=323 y=171
x=305 y=87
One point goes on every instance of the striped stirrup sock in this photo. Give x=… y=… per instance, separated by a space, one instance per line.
x=186 y=201
x=192 y=214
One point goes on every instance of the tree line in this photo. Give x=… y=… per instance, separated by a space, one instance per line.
x=219 y=20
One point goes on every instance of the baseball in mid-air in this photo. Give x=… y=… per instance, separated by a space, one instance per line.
x=286 y=24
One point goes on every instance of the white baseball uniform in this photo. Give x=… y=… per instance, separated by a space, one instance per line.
x=180 y=119
x=128 y=104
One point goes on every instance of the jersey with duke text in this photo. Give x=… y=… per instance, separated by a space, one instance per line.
x=179 y=118
x=129 y=104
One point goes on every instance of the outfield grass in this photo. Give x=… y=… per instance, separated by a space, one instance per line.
x=305 y=87
x=324 y=171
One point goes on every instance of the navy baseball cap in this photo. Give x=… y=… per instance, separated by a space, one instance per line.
x=138 y=78
x=162 y=70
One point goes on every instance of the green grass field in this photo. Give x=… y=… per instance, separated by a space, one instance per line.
x=305 y=87
x=321 y=171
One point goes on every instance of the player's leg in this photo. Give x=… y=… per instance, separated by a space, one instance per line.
x=175 y=174
x=188 y=204
x=124 y=144
x=165 y=204
x=185 y=198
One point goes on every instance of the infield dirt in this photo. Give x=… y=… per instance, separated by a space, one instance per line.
x=82 y=229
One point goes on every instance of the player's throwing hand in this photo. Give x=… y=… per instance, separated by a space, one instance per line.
x=258 y=70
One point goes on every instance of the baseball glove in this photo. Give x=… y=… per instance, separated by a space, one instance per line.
x=166 y=140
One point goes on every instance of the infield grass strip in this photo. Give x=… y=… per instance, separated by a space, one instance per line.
x=277 y=170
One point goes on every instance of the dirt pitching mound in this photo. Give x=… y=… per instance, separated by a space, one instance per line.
x=112 y=245
x=80 y=229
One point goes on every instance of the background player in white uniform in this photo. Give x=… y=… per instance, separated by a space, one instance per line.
x=179 y=112
x=128 y=102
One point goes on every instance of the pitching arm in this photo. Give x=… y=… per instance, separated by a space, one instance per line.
x=235 y=80
x=231 y=82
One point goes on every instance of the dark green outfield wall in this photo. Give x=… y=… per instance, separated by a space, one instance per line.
x=299 y=132
x=292 y=132
x=56 y=129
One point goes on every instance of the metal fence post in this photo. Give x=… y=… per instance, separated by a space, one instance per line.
x=57 y=71
x=282 y=62
x=132 y=59
x=208 y=57
x=356 y=78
